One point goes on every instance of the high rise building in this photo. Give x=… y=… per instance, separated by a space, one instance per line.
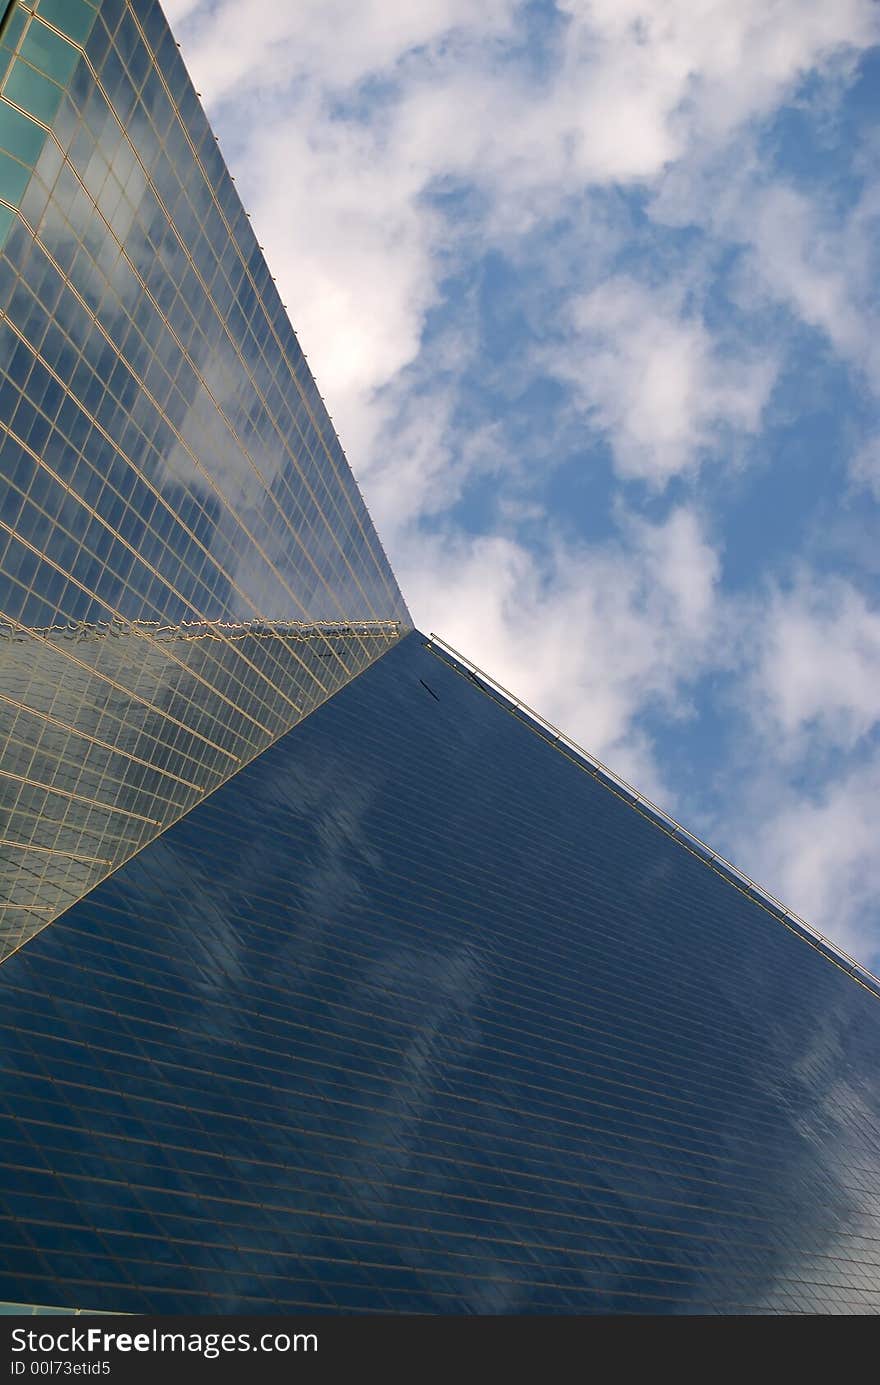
x=188 y=567
x=413 y=1006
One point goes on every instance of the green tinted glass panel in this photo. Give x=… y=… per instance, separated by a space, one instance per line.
x=51 y=54
x=13 y=178
x=6 y=219
x=73 y=17
x=19 y=135
x=31 y=90
x=10 y=33
x=13 y=27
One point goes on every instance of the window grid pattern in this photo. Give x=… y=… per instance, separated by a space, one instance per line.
x=38 y=52
x=414 y=1014
x=166 y=462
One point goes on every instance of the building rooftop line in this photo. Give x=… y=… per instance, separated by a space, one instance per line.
x=578 y=754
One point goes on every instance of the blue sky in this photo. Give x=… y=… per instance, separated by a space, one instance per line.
x=590 y=289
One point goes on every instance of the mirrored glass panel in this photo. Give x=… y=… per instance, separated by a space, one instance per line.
x=187 y=567
x=417 y=1013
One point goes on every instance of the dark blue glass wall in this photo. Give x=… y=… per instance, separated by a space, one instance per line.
x=415 y=1014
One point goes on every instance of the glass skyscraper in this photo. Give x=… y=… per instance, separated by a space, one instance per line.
x=413 y=1006
x=188 y=567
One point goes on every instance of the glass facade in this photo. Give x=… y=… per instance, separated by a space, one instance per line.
x=419 y=1013
x=186 y=564
x=419 y=1010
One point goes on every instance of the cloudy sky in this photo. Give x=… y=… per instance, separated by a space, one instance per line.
x=590 y=289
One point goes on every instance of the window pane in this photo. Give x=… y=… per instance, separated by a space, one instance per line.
x=48 y=52
x=19 y=135
x=13 y=178
x=6 y=219
x=34 y=92
x=73 y=17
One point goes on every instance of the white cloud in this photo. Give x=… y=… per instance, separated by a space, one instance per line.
x=823 y=269
x=706 y=65
x=801 y=250
x=864 y=468
x=811 y=701
x=589 y=636
x=818 y=854
x=334 y=43
x=817 y=666
x=337 y=181
x=653 y=379
x=350 y=246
